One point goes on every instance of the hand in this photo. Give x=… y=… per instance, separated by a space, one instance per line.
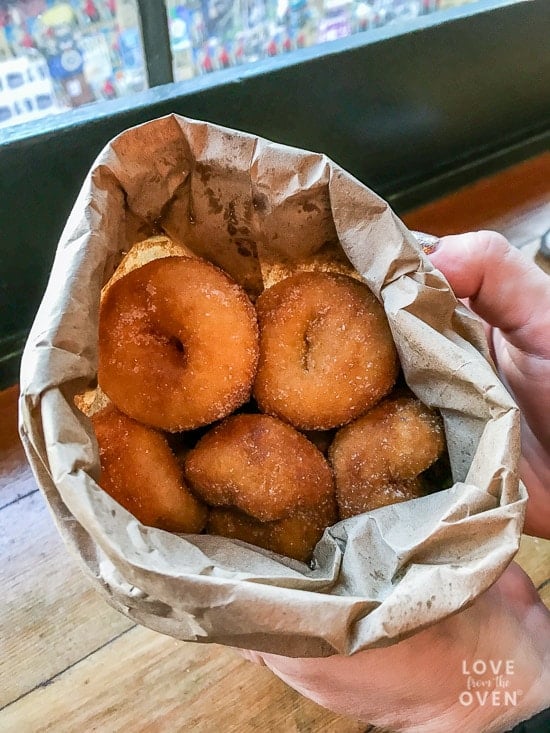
x=421 y=685
x=512 y=295
x=424 y=684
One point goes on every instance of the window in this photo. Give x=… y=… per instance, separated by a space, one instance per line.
x=15 y=80
x=86 y=50
x=44 y=101
x=92 y=50
x=211 y=35
x=413 y=108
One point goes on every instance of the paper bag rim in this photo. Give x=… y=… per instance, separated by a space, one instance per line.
x=375 y=579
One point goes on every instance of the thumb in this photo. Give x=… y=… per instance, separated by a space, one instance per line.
x=504 y=288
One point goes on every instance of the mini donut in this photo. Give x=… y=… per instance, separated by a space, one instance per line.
x=326 y=350
x=377 y=458
x=140 y=472
x=178 y=344
x=260 y=466
x=295 y=536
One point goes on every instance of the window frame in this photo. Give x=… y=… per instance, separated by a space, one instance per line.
x=412 y=110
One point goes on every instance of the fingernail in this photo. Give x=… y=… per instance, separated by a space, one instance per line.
x=428 y=242
x=544 y=249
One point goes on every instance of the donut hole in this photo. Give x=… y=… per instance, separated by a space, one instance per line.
x=313 y=341
x=177 y=344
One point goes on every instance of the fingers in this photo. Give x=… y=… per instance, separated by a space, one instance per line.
x=517 y=591
x=512 y=294
x=503 y=287
x=535 y=474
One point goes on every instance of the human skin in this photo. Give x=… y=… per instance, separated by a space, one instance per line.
x=415 y=686
x=512 y=295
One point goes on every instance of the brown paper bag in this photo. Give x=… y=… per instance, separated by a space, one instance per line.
x=259 y=210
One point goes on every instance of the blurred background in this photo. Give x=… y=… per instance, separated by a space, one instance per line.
x=60 y=54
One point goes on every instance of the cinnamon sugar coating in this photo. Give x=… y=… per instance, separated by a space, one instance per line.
x=261 y=466
x=378 y=458
x=178 y=344
x=326 y=350
x=141 y=473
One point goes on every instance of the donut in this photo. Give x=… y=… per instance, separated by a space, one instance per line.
x=326 y=350
x=264 y=468
x=295 y=536
x=140 y=472
x=378 y=458
x=178 y=344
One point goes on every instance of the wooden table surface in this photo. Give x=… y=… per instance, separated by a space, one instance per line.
x=69 y=663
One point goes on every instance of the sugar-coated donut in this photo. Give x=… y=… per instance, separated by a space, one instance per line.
x=295 y=536
x=377 y=459
x=326 y=350
x=141 y=473
x=178 y=344
x=261 y=466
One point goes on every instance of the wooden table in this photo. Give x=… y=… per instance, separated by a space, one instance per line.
x=69 y=663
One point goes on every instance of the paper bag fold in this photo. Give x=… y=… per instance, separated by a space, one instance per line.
x=260 y=210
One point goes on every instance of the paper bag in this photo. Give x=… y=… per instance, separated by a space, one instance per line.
x=260 y=210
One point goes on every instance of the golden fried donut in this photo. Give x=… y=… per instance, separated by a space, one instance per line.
x=295 y=536
x=261 y=466
x=178 y=344
x=378 y=458
x=141 y=473
x=326 y=350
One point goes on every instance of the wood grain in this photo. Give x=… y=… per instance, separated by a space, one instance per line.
x=58 y=617
x=534 y=558
x=515 y=203
x=166 y=685
x=16 y=477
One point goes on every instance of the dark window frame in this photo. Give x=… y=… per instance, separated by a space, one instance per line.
x=412 y=110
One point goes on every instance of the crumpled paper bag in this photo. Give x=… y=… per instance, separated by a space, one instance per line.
x=260 y=210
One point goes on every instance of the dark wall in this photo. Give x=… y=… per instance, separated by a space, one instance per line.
x=411 y=115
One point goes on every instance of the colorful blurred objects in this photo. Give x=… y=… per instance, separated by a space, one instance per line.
x=81 y=51
x=60 y=14
x=220 y=33
x=88 y=49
